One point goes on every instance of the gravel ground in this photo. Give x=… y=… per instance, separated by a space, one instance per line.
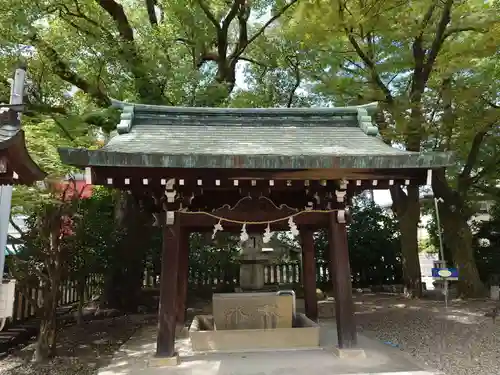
x=456 y=341
x=81 y=349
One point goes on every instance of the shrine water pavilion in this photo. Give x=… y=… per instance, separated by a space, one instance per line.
x=251 y=170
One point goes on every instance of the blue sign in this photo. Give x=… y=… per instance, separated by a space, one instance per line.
x=445 y=273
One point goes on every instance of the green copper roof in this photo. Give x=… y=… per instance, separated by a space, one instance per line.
x=263 y=138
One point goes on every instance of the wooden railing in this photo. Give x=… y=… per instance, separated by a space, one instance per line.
x=24 y=310
x=284 y=273
x=274 y=274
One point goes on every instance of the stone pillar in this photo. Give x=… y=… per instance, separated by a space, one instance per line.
x=251 y=274
x=309 y=273
x=165 y=344
x=339 y=256
x=252 y=262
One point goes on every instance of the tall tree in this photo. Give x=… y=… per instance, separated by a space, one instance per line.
x=373 y=58
x=83 y=53
x=163 y=52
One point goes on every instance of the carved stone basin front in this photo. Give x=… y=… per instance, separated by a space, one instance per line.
x=252 y=321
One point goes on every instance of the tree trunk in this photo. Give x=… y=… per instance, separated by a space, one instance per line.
x=406 y=206
x=46 y=342
x=124 y=278
x=458 y=237
x=80 y=285
x=111 y=297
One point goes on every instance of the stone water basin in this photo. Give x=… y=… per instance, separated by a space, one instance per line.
x=252 y=321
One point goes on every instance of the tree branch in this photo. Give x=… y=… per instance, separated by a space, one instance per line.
x=204 y=7
x=364 y=57
x=399 y=200
x=492 y=169
x=80 y=15
x=417 y=45
x=473 y=154
x=456 y=30
x=490 y=190
x=252 y=61
x=62 y=69
x=259 y=32
x=127 y=49
x=464 y=179
x=147 y=90
x=490 y=103
x=209 y=56
x=439 y=38
x=243 y=15
x=63 y=128
x=294 y=63
x=17 y=227
x=115 y=10
x=231 y=14
x=150 y=7
x=442 y=189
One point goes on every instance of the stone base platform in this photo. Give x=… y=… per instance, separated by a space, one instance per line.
x=204 y=338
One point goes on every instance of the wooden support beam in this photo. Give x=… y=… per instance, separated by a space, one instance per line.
x=208 y=176
x=165 y=344
x=182 y=285
x=222 y=179
x=309 y=273
x=250 y=186
x=341 y=279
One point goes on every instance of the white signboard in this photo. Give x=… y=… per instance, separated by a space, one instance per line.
x=7 y=294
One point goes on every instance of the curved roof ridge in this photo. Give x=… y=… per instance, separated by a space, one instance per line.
x=370 y=107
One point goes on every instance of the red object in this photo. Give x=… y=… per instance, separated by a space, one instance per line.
x=72 y=190
x=75 y=188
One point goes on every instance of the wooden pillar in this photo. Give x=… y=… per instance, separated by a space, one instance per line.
x=165 y=344
x=342 y=286
x=309 y=274
x=182 y=280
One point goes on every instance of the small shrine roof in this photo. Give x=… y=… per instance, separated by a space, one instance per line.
x=250 y=138
x=16 y=165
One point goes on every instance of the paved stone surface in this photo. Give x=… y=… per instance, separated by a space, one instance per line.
x=133 y=358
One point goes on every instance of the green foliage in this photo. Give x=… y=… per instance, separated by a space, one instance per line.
x=43 y=137
x=374 y=245
x=95 y=235
x=486 y=243
x=207 y=255
x=426 y=245
x=438 y=87
x=487 y=246
x=180 y=53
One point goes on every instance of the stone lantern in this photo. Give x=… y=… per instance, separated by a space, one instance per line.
x=252 y=261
